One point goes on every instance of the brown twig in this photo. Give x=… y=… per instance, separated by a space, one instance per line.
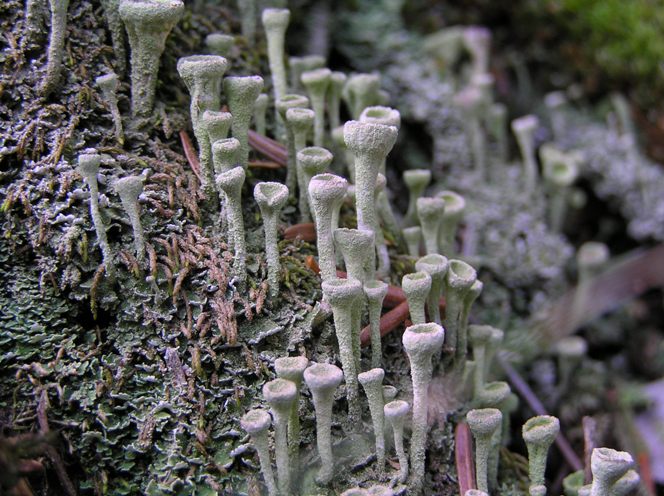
x=388 y=322
x=463 y=456
x=536 y=406
x=268 y=147
x=305 y=232
x=190 y=153
x=264 y=164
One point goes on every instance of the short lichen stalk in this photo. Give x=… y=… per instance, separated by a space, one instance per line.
x=241 y=94
x=271 y=198
x=395 y=413
x=88 y=166
x=383 y=255
x=109 y=88
x=372 y=382
x=462 y=339
x=413 y=237
x=281 y=394
x=231 y=182
x=260 y=109
x=112 y=14
x=311 y=161
x=455 y=205
x=469 y=101
x=608 y=466
x=560 y=171
x=496 y=123
x=337 y=82
x=202 y=74
x=361 y=91
x=430 y=213
x=220 y=44
x=322 y=380
x=370 y=144
x=316 y=83
x=417 y=287
x=555 y=102
x=216 y=125
x=421 y=342
x=275 y=23
x=524 y=130
x=56 y=45
x=436 y=266
x=326 y=192
x=416 y=181
x=299 y=65
x=375 y=291
x=570 y=351
x=248 y=13
x=460 y=277
x=257 y=423
x=285 y=103
x=479 y=336
x=292 y=369
x=485 y=425
x=225 y=154
x=129 y=189
x=342 y=295
x=539 y=433
x=148 y=24
x=494 y=395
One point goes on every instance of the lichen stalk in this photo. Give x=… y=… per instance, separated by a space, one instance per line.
x=88 y=166
x=311 y=161
x=413 y=237
x=298 y=65
x=524 y=130
x=416 y=181
x=430 y=213
x=129 y=188
x=293 y=180
x=459 y=279
x=202 y=74
x=539 y=433
x=280 y=395
x=484 y=424
x=220 y=44
x=560 y=171
x=626 y=485
x=479 y=336
x=230 y=182
x=257 y=423
x=241 y=93
x=326 y=192
x=271 y=198
x=275 y=23
x=417 y=287
x=225 y=154
x=292 y=369
x=436 y=266
x=260 y=109
x=361 y=91
x=455 y=205
x=56 y=45
x=469 y=101
x=112 y=14
x=372 y=382
x=375 y=291
x=317 y=83
x=496 y=122
x=421 y=342
x=462 y=338
x=608 y=466
x=216 y=125
x=322 y=380
x=337 y=82
x=370 y=144
x=109 y=84
x=148 y=24
x=342 y=295
x=248 y=19
x=395 y=413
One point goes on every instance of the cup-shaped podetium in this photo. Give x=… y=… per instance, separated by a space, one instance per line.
x=395 y=413
x=375 y=291
x=539 y=433
x=607 y=466
x=220 y=44
x=257 y=423
x=216 y=124
x=417 y=287
x=129 y=188
x=271 y=198
x=372 y=382
x=282 y=105
x=459 y=280
x=430 y=214
x=421 y=342
x=275 y=23
x=241 y=94
x=317 y=83
x=323 y=380
x=416 y=181
x=484 y=424
x=361 y=91
x=326 y=192
x=230 y=182
x=436 y=266
x=356 y=246
x=148 y=23
x=225 y=154
x=413 y=237
x=311 y=161
x=455 y=205
x=524 y=130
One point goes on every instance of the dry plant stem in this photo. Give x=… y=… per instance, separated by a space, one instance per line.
x=370 y=144
x=256 y=423
x=342 y=295
x=281 y=394
x=430 y=212
x=375 y=292
x=202 y=74
x=109 y=86
x=241 y=93
x=268 y=147
x=88 y=166
x=316 y=83
x=463 y=455
x=271 y=198
x=417 y=287
x=326 y=192
x=292 y=369
x=148 y=24
x=421 y=342
x=260 y=109
x=129 y=189
x=112 y=14
x=230 y=182
x=372 y=382
x=395 y=412
x=322 y=380
x=484 y=424
x=293 y=179
x=436 y=266
x=56 y=45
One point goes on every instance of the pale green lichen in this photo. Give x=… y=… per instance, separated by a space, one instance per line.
x=372 y=382
x=395 y=413
x=231 y=182
x=311 y=161
x=56 y=45
x=485 y=425
x=129 y=188
x=459 y=279
x=220 y=44
x=109 y=83
x=286 y=102
x=275 y=23
x=436 y=266
x=112 y=14
x=608 y=466
x=524 y=130
x=455 y=206
x=361 y=91
x=241 y=94
x=413 y=237
x=299 y=65
x=375 y=291
x=417 y=287
x=430 y=213
x=316 y=83
x=257 y=423
x=560 y=170
x=260 y=109
x=539 y=433
x=337 y=82
x=280 y=395
x=416 y=180
x=148 y=24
